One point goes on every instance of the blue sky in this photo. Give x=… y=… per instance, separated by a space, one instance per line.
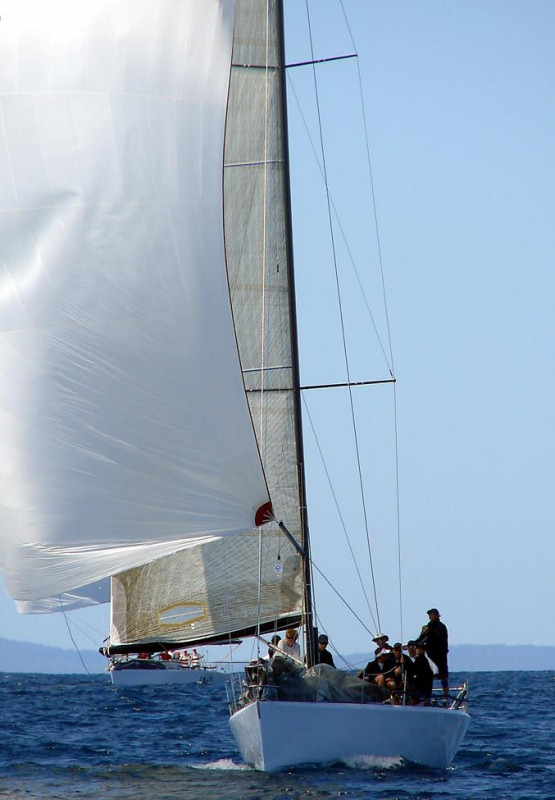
x=461 y=119
x=459 y=100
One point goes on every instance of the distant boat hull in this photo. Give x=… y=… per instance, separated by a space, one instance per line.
x=274 y=735
x=149 y=673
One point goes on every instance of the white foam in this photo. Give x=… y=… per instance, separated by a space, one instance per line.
x=223 y=765
x=373 y=762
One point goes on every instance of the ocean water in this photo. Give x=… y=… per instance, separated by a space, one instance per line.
x=78 y=737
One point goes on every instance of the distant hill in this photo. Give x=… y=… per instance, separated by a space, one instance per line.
x=27 y=657
x=492 y=658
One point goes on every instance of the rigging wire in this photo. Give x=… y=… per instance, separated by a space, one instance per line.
x=71 y=635
x=342 y=321
x=84 y=628
x=372 y=190
x=343 y=235
x=353 y=612
x=384 y=294
x=348 y=664
x=328 y=476
x=398 y=515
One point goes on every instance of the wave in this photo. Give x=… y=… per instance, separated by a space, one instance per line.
x=223 y=765
x=374 y=762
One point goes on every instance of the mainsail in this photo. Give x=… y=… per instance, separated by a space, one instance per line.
x=253 y=581
x=126 y=434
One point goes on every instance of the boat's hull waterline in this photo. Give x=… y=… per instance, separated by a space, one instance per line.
x=166 y=675
x=275 y=735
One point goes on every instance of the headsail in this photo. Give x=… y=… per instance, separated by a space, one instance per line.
x=125 y=430
x=234 y=587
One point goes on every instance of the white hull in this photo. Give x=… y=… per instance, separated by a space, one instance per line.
x=172 y=674
x=274 y=735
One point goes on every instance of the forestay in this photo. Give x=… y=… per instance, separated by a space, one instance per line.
x=253 y=581
x=126 y=433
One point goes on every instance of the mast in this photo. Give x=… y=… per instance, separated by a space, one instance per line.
x=305 y=538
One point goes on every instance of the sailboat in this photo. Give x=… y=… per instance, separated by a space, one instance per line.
x=151 y=388
x=164 y=669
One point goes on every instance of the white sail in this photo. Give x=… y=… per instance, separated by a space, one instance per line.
x=207 y=593
x=125 y=430
x=253 y=581
x=92 y=594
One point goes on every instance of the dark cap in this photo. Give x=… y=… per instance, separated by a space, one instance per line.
x=432 y=611
x=420 y=645
x=322 y=639
x=411 y=643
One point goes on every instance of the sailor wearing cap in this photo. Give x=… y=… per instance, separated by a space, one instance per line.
x=381 y=639
x=380 y=670
x=421 y=676
x=410 y=647
x=323 y=656
x=435 y=638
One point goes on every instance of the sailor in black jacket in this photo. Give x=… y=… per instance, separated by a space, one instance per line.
x=435 y=638
x=420 y=678
x=323 y=656
x=381 y=670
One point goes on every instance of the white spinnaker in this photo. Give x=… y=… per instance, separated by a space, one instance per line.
x=227 y=586
x=124 y=426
